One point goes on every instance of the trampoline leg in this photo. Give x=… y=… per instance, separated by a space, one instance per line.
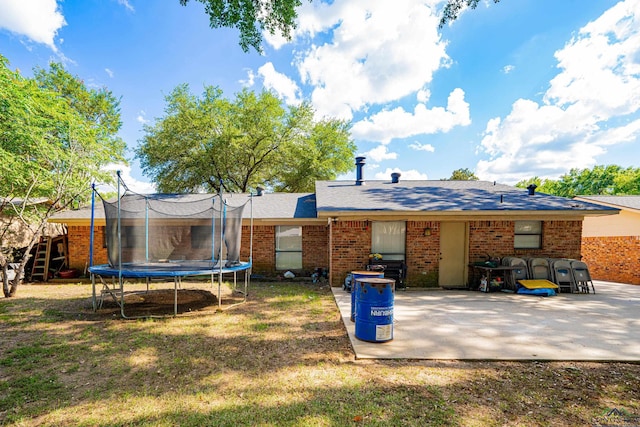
x=93 y=296
x=175 y=296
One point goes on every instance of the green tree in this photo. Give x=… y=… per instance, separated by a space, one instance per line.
x=547 y=186
x=601 y=180
x=453 y=7
x=463 y=174
x=53 y=145
x=251 y=17
x=596 y=181
x=627 y=181
x=210 y=143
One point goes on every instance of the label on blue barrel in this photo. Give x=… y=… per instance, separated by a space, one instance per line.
x=384 y=332
x=381 y=311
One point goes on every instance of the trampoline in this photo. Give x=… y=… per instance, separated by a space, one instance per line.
x=170 y=237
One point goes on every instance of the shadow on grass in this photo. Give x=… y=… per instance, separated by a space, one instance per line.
x=283 y=358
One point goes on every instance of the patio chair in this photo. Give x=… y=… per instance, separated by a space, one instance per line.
x=563 y=275
x=539 y=269
x=582 y=277
x=517 y=274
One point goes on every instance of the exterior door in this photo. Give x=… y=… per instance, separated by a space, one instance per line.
x=453 y=255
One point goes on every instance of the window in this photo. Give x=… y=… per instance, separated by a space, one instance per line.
x=388 y=238
x=288 y=247
x=528 y=235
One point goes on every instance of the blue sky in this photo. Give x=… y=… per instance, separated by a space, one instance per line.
x=511 y=90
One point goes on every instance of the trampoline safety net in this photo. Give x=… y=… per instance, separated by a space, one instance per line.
x=172 y=228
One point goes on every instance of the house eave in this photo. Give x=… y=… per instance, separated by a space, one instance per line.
x=460 y=215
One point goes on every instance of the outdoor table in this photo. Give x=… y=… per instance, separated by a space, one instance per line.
x=488 y=270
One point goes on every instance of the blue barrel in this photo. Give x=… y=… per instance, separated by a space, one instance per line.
x=358 y=275
x=374 y=309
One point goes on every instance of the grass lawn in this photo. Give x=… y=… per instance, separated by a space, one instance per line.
x=281 y=359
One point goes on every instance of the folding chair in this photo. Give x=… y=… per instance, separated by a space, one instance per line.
x=563 y=275
x=582 y=277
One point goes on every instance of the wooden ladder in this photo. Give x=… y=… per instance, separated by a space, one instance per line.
x=40 y=267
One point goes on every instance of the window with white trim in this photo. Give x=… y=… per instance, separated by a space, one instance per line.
x=527 y=235
x=288 y=247
x=388 y=239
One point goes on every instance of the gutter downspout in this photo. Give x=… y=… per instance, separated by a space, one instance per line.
x=330 y=221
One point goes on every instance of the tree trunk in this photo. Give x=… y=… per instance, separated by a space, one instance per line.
x=5 y=276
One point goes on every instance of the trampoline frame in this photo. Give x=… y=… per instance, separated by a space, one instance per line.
x=177 y=270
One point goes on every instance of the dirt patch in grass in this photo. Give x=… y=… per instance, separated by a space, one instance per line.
x=163 y=302
x=281 y=358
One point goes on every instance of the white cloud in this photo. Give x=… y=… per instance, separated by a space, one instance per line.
x=591 y=104
x=381 y=153
x=423 y=96
x=109 y=72
x=142 y=117
x=422 y=147
x=127 y=5
x=410 y=175
x=38 y=20
x=132 y=184
x=251 y=79
x=282 y=85
x=398 y=123
x=508 y=68
x=380 y=51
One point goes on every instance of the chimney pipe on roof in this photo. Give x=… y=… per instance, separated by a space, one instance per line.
x=395 y=177
x=359 y=166
x=259 y=191
x=532 y=189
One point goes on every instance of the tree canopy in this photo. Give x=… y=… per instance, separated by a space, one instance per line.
x=463 y=174
x=252 y=17
x=210 y=143
x=601 y=180
x=55 y=137
x=453 y=8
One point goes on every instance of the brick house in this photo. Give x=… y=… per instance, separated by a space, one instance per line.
x=436 y=227
x=611 y=244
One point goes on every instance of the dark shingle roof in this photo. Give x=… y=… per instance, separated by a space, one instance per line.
x=439 y=196
x=267 y=206
x=630 y=202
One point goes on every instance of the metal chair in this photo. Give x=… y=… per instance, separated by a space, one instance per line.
x=563 y=275
x=582 y=277
x=539 y=269
x=517 y=274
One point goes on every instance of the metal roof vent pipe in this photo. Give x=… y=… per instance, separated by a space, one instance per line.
x=259 y=191
x=395 y=177
x=359 y=166
x=532 y=189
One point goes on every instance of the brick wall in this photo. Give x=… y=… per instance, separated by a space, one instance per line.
x=422 y=253
x=315 y=247
x=490 y=237
x=79 y=243
x=315 y=243
x=264 y=248
x=615 y=259
x=351 y=246
x=560 y=239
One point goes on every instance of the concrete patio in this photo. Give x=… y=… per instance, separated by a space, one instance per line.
x=461 y=324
